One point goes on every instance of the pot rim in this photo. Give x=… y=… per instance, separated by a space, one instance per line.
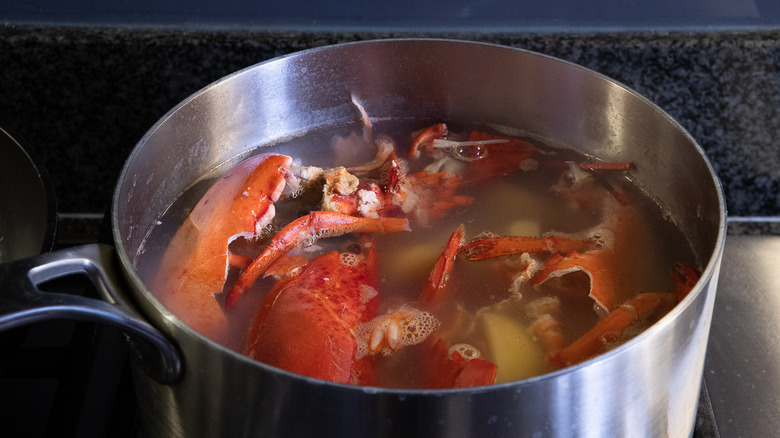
x=709 y=272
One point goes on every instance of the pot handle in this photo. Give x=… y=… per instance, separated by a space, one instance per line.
x=23 y=302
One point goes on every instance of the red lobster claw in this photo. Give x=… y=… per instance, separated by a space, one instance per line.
x=195 y=264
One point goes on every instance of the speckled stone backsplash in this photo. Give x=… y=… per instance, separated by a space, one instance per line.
x=83 y=97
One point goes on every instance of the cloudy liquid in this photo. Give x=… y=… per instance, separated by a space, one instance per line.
x=519 y=203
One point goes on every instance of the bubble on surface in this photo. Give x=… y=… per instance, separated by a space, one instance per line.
x=603 y=237
x=529 y=164
x=466 y=351
x=350 y=259
x=417 y=327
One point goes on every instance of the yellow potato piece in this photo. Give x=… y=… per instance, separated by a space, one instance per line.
x=516 y=202
x=415 y=258
x=525 y=227
x=516 y=355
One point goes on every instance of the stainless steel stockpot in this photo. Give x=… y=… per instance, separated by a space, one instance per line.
x=189 y=386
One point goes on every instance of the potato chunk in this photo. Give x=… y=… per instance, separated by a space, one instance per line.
x=511 y=347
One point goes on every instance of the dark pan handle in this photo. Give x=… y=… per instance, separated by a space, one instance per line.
x=23 y=302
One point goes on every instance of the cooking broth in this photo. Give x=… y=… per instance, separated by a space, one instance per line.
x=485 y=305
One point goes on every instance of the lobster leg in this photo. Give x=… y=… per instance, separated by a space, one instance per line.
x=440 y=276
x=315 y=225
x=619 y=166
x=488 y=247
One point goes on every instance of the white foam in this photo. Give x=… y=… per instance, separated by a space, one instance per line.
x=413 y=327
x=367 y=293
x=602 y=236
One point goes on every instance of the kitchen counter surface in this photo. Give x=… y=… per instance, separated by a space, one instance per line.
x=742 y=369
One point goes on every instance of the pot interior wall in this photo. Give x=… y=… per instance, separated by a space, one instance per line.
x=441 y=80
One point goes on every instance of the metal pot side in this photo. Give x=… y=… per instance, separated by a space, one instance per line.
x=649 y=386
x=28 y=219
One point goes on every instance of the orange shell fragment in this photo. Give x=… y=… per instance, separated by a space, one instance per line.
x=489 y=247
x=606 y=288
x=446 y=370
x=501 y=158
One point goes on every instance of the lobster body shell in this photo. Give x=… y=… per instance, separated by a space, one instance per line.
x=306 y=323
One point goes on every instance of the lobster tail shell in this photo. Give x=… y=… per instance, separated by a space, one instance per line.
x=320 y=307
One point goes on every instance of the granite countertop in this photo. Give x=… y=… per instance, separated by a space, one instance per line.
x=82 y=97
